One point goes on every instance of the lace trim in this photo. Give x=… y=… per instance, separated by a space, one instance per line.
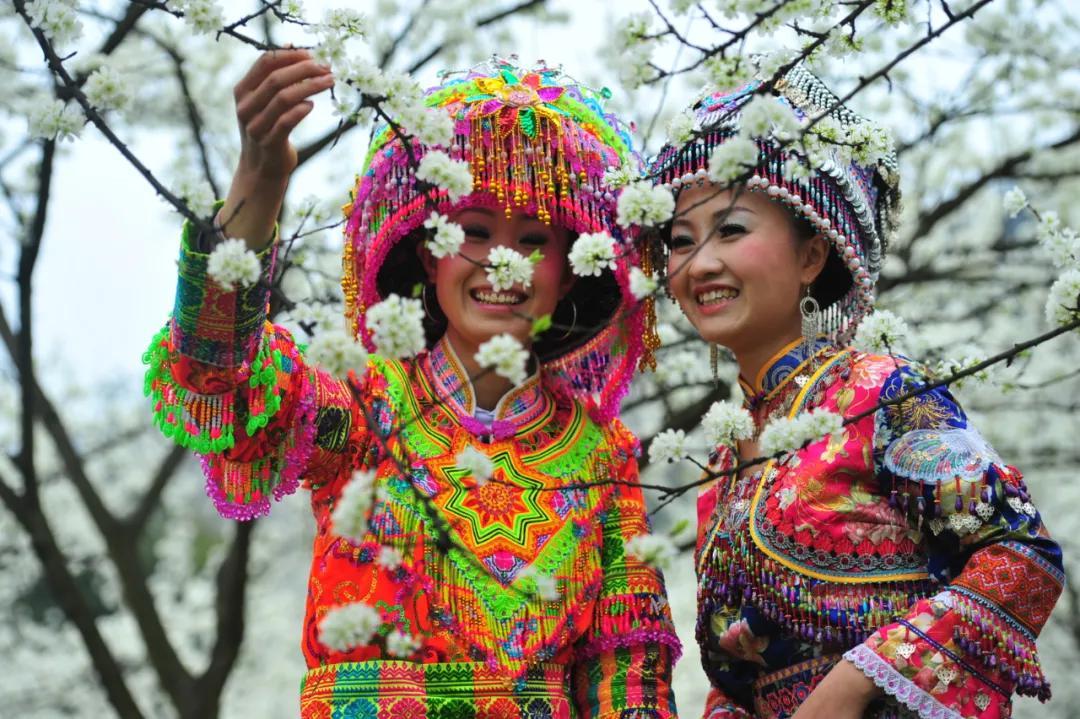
x=897 y=685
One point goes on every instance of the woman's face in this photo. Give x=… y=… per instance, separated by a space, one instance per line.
x=474 y=311
x=737 y=268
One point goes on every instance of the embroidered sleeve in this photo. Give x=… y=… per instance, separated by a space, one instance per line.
x=965 y=651
x=234 y=388
x=623 y=664
x=719 y=706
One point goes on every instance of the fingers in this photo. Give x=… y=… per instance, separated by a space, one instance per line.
x=267 y=63
x=280 y=94
x=287 y=121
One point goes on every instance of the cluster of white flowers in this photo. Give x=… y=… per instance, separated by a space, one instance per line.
x=668 y=446
x=56 y=19
x=401 y=645
x=655 y=550
x=616 y=177
x=196 y=193
x=508 y=267
x=642 y=203
x=506 y=355
x=1015 y=201
x=681 y=127
x=881 y=332
x=431 y=126
x=476 y=463
x=233 y=265
x=295 y=284
x=763 y=116
x=731 y=159
x=337 y=353
x=106 y=89
x=787 y=434
x=861 y=142
x=1061 y=243
x=726 y=423
x=345 y=22
x=397 y=326
x=204 y=16
x=453 y=176
x=447 y=238
x=641 y=284
x=950 y=366
x=49 y=118
x=349 y=626
x=349 y=517
x=893 y=12
x=389 y=558
x=546 y=587
x=293 y=8
x=1064 y=300
x=727 y=72
x=592 y=253
x=634 y=49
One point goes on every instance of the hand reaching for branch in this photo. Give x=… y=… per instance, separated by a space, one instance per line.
x=271 y=100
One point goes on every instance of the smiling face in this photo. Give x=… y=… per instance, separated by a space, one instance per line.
x=474 y=311
x=738 y=268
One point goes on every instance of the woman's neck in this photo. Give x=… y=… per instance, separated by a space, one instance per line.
x=752 y=360
x=488 y=386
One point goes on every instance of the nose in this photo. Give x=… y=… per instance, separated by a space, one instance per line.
x=705 y=262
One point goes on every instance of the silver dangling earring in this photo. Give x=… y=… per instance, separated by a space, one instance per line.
x=573 y=322
x=714 y=363
x=423 y=300
x=810 y=311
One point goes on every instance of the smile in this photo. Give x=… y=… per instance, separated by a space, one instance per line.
x=714 y=296
x=490 y=297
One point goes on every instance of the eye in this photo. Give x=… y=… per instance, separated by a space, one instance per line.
x=476 y=232
x=679 y=242
x=534 y=239
x=729 y=229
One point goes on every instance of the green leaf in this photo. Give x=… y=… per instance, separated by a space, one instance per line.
x=527 y=120
x=540 y=324
x=536 y=257
x=417 y=289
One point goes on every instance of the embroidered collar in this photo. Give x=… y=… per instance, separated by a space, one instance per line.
x=451 y=382
x=782 y=367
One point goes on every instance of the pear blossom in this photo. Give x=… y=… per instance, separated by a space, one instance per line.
x=453 y=176
x=401 y=645
x=881 y=332
x=654 y=549
x=641 y=284
x=56 y=19
x=337 y=353
x=668 y=446
x=764 y=116
x=1015 y=201
x=349 y=626
x=478 y=464
x=788 y=434
x=508 y=267
x=345 y=22
x=204 y=16
x=389 y=558
x=732 y=159
x=50 y=118
x=349 y=517
x=506 y=356
x=430 y=126
x=642 y=203
x=592 y=253
x=681 y=127
x=725 y=423
x=107 y=89
x=1064 y=299
x=197 y=194
x=448 y=236
x=546 y=587
x=233 y=265
x=1063 y=247
x=397 y=326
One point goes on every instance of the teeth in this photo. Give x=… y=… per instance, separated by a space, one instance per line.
x=717 y=295
x=497 y=298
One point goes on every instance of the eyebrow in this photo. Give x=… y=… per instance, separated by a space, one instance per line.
x=479 y=210
x=717 y=216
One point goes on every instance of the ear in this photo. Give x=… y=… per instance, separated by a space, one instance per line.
x=812 y=256
x=427 y=261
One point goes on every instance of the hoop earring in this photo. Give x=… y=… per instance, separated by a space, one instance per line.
x=573 y=322
x=810 y=312
x=423 y=300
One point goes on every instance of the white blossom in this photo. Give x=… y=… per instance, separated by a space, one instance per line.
x=450 y=175
x=337 y=353
x=881 y=332
x=389 y=558
x=546 y=587
x=432 y=126
x=330 y=51
x=1015 y=201
x=448 y=236
x=295 y=285
x=866 y=143
x=654 y=549
x=293 y=8
x=1061 y=305
x=616 y=177
x=506 y=355
x=732 y=159
x=788 y=434
x=233 y=265
x=643 y=203
x=668 y=446
x=725 y=423
x=349 y=518
x=197 y=194
x=508 y=267
x=107 y=89
x=641 y=284
x=592 y=253
x=401 y=645
x=478 y=464
x=204 y=16
x=56 y=19
x=349 y=626
x=345 y=22
x=725 y=73
x=397 y=326
x=681 y=127
x=365 y=77
x=49 y=118
x=766 y=116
